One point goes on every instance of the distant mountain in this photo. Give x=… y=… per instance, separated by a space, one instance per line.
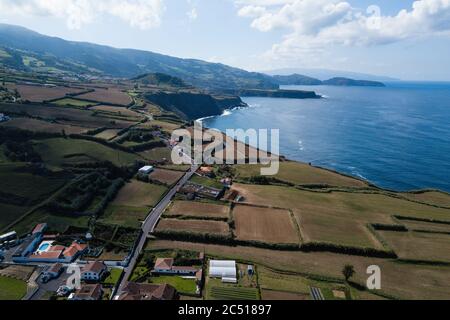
x=324 y=74
x=345 y=82
x=159 y=79
x=26 y=50
x=296 y=79
x=301 y=80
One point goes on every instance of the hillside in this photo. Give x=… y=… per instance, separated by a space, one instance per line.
x=26 y=50
x=352 y=83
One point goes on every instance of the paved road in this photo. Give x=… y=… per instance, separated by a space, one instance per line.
x=150 y=223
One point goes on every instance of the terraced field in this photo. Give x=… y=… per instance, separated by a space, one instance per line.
x=228 y=293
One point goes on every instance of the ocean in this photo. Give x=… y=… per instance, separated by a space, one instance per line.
x=397 y=137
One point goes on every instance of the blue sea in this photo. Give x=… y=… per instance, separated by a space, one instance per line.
x=396 y=137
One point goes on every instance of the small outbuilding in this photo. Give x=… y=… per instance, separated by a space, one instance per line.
x=146 y=170
x=224 y=270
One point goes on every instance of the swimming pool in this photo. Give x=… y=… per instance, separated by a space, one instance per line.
x=44 y=247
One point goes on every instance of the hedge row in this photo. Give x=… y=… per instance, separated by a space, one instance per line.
x=308 y=247
x=389 y=227
x=422 y=219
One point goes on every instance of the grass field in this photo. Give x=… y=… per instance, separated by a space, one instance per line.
x=57 y=223
x=419 y=246
x=264 y=224
x=407 y=281
x=120 y=111
x=195 y=226
x=124 y=215
x=42 y=126
x=186 y=286
x=114 y=276
x=207 y=182
x=432 y=197
x=303 y=174
x=12 y=289
x=373 y=207
x=10 y=213
x=198 y=209
x=427 y=226
x=73 y=103
x=107 y=134
x=167 y=177
x=57 y=151
x=139 y=194
x=157 y=154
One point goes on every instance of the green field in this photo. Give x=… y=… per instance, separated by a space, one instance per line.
x=57 y=151
x=139 y=194
x=114 y=276
x=124 y=215
x=303 y=174
x=12 y=289
x=186 y=286
x=233 y=293
x=207 y=182
x=157 y=154
x=74 y=103
x=58 y=223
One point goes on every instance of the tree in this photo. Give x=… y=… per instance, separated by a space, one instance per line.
x=348 y=271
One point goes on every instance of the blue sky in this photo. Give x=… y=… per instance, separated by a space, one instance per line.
x=413 y=44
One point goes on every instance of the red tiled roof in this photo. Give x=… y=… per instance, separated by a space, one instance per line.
x=89 y=291
x=96 y=267
x=189 y=269
x=163 y=264
x=74 y=249
x=56 y=268
x=47 y=255
x=39 y=228
x=144 y=291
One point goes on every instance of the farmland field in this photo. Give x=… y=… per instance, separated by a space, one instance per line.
x=332 y=226
x=107 y=134
x=111 y=95
x=167 y=177
x=12 y=289
x=233 y=293
x=432 y=197
x=398 y=279
x=57 y=151
x=73 y=102
x=198 y=209
x=157 y=154
x=139 y=194
x=39 y=94
x=120 y=111
x=283 y=295
x=9 y=213
x=303 y=174
x=418 y=245
x=195 y=226
x=66 y=116
x=57 y=223
x=264 y=224
x=124 y=215
x=42 y=126
x=374 y=208
x=428 y=226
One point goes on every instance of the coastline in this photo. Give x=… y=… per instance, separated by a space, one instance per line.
x=344 y=174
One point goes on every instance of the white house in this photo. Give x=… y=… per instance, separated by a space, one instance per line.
x=94 y=271
x=146 y=170
x=225 y=270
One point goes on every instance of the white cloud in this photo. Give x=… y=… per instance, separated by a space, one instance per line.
x=314 y=25
x=143 y=14
x=192 y=14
